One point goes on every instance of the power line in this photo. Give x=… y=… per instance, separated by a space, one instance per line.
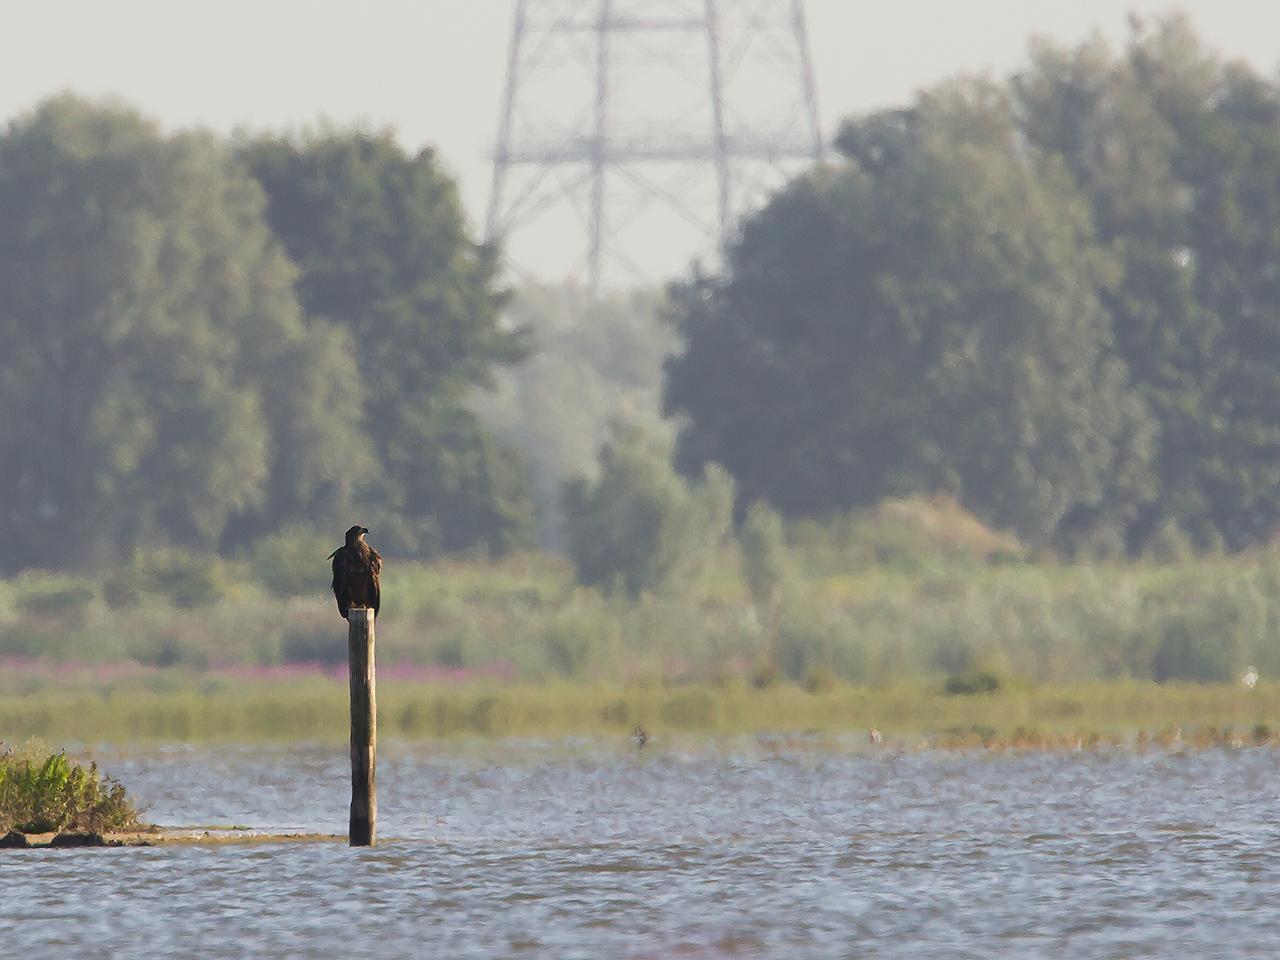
x=627 y=124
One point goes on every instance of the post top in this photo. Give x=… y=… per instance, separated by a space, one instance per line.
x=359 y=615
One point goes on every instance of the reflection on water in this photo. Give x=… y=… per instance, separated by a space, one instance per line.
x=593 y=850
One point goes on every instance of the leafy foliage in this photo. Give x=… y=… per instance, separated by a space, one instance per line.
x=640 y=528
x=924 y=317
x=54 y=793
x=157 y=371
x=163 y=382
x=916 y=617
x=290 y=562
x=763 y=553
x=1178 y=153
x=1054 y=298
x=383 y=251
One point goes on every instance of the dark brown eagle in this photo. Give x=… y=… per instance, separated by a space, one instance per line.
x=356 y=568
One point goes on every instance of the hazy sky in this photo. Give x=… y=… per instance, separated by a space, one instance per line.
x=433 y=69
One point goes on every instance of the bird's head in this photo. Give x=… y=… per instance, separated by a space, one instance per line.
x=356 y=534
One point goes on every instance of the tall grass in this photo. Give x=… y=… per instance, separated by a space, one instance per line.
x=903 y=594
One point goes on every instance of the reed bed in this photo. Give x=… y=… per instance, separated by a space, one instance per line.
x=862 y=626
x=525 y=621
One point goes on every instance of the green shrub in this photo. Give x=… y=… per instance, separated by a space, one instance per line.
x=1205 y=630
x=813 y=638
x=1169 y=543
x=122 y=589
x=763 y=553
x=43 y=795
x=568 y=645
x=303 y=644
x=68 y=602
x=764 y=676
x=188 y=580
x=291 y=562
x=490 y=716
x=161 y=648
x=820 y=679
x=969 y=684
x=452 y=650
x=640 y=528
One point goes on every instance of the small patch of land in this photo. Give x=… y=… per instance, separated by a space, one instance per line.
x=42 y=792
x=152 y=836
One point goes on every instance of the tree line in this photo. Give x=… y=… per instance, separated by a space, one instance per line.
x=1056 y=297
x=206 y=341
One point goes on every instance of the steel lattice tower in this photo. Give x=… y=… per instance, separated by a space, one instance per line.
x=634 y=125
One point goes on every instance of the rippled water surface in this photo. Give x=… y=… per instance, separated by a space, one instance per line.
x=739 y=849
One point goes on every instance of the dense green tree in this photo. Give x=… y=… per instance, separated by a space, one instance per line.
x=382 y=245
x=158 y=381
x=923 y=317
x=1179 y=156
x=639 y=527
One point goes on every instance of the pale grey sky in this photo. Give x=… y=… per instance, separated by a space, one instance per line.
x=433 y=69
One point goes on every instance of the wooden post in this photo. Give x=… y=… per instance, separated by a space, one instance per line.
x=364 y=728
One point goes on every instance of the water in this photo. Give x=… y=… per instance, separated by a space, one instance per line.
x=742 y=849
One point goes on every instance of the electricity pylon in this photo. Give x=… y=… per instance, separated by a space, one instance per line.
x=635 y=131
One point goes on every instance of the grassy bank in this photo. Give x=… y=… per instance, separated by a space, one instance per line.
x=317 y=709
x=881 y=620
x=840 y=616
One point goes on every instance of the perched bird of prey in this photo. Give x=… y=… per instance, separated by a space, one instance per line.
x=356 y=568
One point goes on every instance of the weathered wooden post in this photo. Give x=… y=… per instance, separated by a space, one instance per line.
x=364 y=728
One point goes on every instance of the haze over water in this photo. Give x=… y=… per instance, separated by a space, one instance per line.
x=748 y=848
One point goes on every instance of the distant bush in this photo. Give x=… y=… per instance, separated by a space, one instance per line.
x=53 y=793
x=764 y=676
x=640 y=528
x=122 y=589
x=167 y=648
x=291 y=562
x=1207 y=632
x=1169 y=543
x=187 y=579
x=306 y=645
x=763 y=553
x=51 y=639
x=968 y=684
x=70 y=602
x=572 y=638
x=820 y=679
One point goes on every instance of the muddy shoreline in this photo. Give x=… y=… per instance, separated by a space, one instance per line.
x=162 y=837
